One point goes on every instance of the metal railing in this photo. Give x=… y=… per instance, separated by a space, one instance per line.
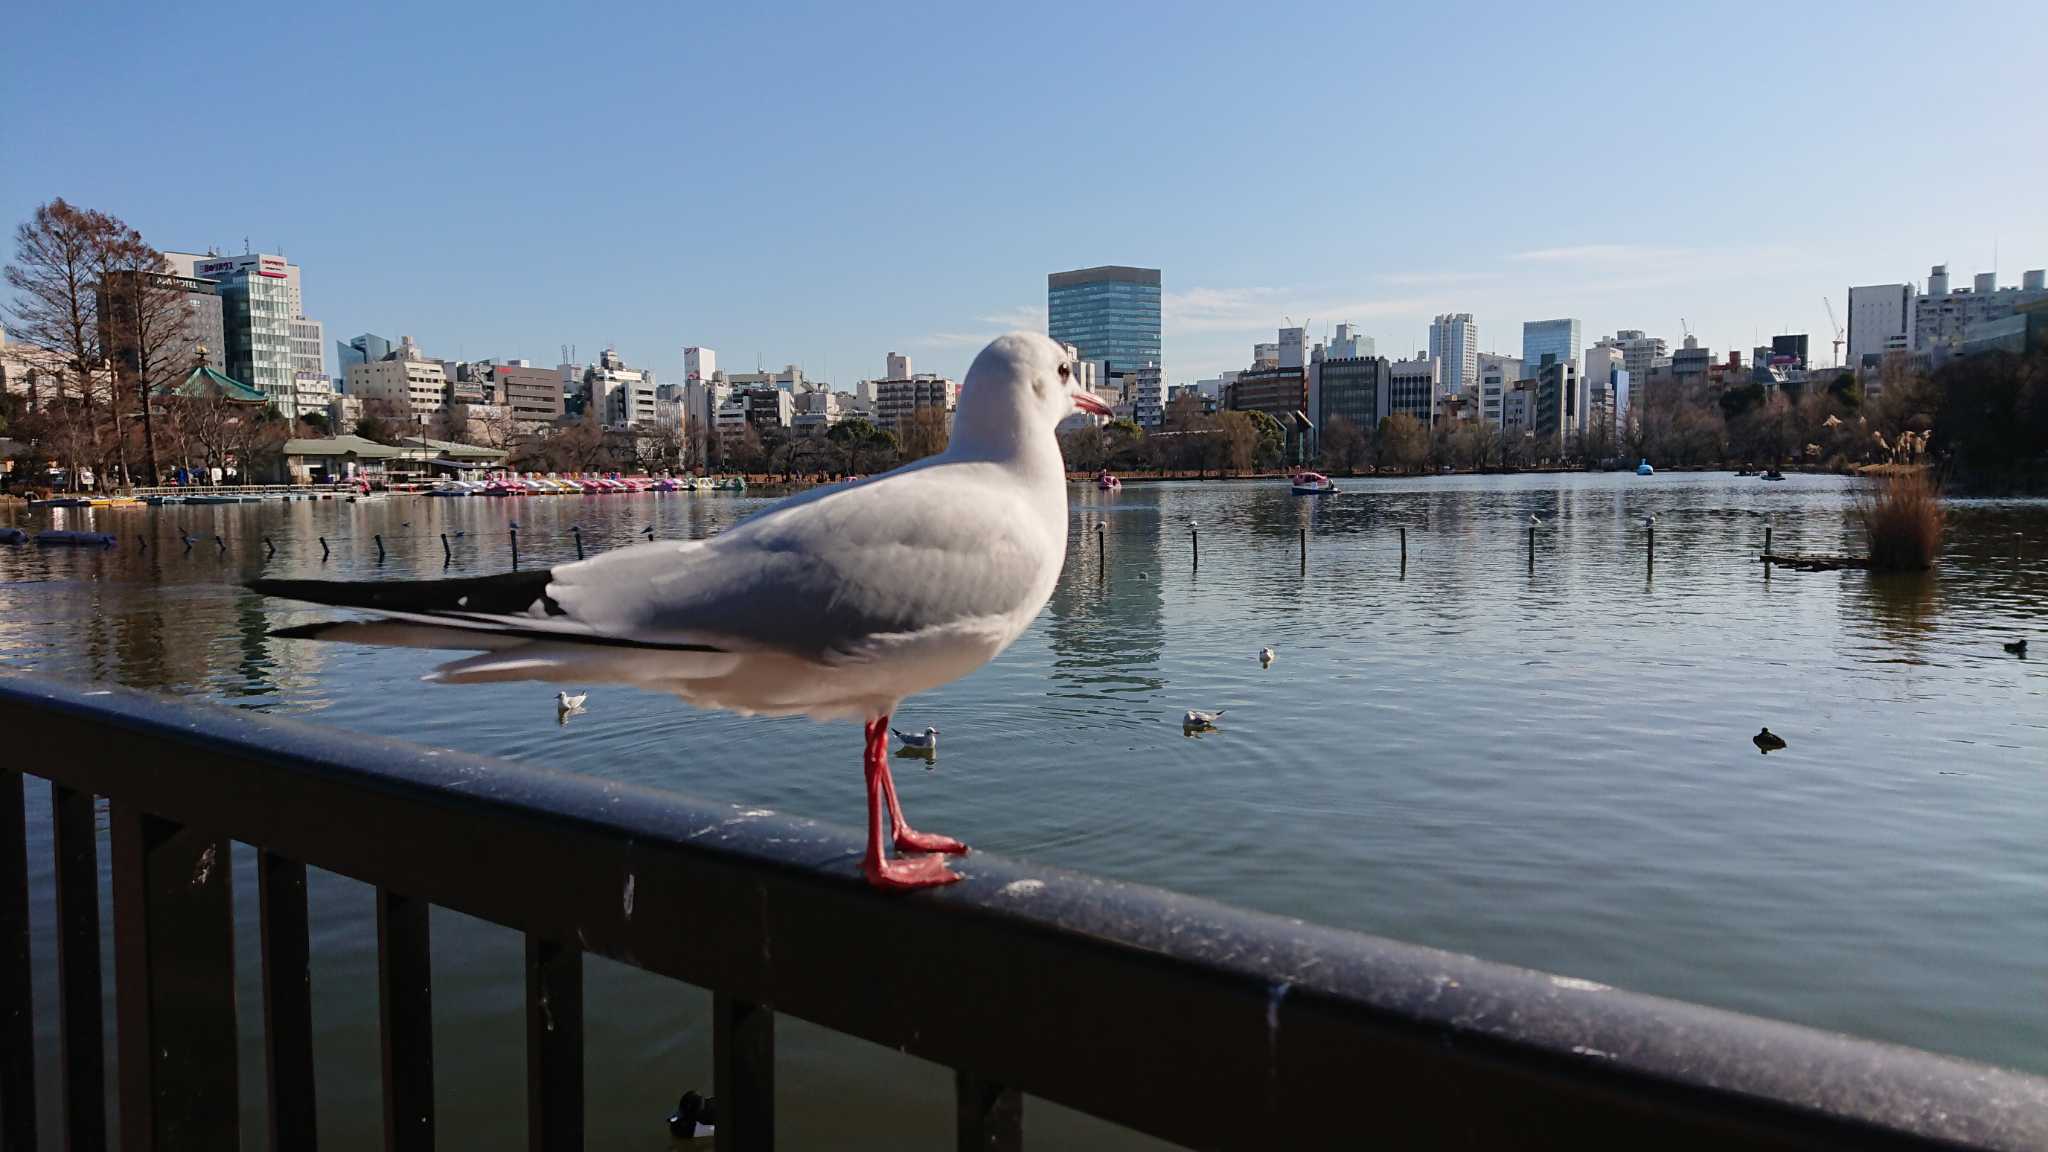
x=1197 y=1023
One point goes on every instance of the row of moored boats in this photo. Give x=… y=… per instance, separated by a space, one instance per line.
x=536 y=485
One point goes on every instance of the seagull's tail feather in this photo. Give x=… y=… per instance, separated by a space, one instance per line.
x=571 y=662
x=509 y=594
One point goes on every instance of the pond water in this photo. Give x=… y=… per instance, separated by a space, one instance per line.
x=1547 y=765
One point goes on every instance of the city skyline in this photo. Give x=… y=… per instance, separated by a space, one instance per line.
x=828 y=222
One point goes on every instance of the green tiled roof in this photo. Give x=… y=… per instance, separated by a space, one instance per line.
x=203 y=380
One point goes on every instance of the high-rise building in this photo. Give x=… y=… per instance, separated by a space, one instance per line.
x=259 y=298
x=1558 y=339
x=1110 y=313
x=899 y=367
x=1454 y=339
x=1293 y=348
x=201 y=326
x=1148 y=397
x=531 y=396
x=1606 y=387
x=621 y=396
x=1558 y=400
x=897 y=400
x=1415 y=386
x=1690 y=363
x=1497 y=375
x=1790 y=346
x=1347 y=344
x=1354 y=389
x=1880 y=318
x=1265 y=356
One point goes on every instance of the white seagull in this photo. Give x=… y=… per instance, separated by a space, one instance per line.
x=567 y=703
x=1265 y=657
x=925 y=741
x=1198 y=719
x=836 y=604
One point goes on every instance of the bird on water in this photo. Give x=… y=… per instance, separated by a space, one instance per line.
x=835 y=604
x=925 y=741
x=1767 y=741
x=1200 y=720
x=2017 y=647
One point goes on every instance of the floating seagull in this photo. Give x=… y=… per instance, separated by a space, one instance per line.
x=1650 y=521
x=1199 y=720
x=2017 y=647
x=1767 y=742
x=835 y=604
x=568 y=703
x=925 y=741
x=1265 y=657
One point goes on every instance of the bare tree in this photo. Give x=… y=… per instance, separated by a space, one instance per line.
x=143 y=315
x=924 y=433
x=60 y=257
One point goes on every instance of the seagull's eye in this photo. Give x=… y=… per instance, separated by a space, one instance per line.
x=1064 y=371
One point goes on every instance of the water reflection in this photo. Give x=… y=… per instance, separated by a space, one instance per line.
x=1548 y=765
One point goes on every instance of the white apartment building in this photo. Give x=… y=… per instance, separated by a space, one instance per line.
x=1880 y=318
x=1642 y=354
x=899 y=367
x=1293 y=348
x=408 y=379
x=896 y=400
x=621 y=396
x=1941 y=317
x=1148 y=396
x=1497 y=376
x=1454 y=339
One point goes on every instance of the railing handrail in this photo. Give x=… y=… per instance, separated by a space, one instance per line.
x=1172 y=1015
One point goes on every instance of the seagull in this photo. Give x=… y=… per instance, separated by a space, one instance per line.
x=1199 y=720
x=1265 y=657
x=2017 y=647
x=925 y=741
x=1767 y=741
x=695 y=1117
x=568 y=703
x=838 y=603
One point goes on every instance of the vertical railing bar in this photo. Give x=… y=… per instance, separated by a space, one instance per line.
x=991 y=1117
x=75 y=844
x=174 y=980
x=17 y=1015
x=743 y=1074
x=405 y=1004
x=287 y=1002
x=554 y=1046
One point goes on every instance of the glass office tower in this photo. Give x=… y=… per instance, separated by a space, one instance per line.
x=1110 y=313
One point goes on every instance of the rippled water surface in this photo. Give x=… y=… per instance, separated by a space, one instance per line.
x=1544 y=764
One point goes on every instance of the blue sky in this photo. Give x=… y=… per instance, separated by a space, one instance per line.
x=826 y=183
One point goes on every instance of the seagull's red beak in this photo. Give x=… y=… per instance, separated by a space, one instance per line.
x=1090 y=402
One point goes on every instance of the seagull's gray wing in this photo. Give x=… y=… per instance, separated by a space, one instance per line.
x=822 y=577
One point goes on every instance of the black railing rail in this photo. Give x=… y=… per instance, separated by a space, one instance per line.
x=1201 y=1024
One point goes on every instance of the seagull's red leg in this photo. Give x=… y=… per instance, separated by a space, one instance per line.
x=882 y=872
x=909 y=839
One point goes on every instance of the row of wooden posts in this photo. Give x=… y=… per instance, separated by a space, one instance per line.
x=1101 y=545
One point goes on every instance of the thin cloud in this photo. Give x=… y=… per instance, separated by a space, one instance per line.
x=1029 y=317
x=949 y=340
x=1600 y=254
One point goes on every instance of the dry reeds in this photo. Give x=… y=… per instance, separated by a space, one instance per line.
x=1903 y=518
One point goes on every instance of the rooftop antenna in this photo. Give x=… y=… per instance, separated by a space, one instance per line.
x=245 y=245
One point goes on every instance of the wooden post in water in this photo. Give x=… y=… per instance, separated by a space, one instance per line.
x=1767 y=547
x=447 y=553
x=576 y=530
x=1195 y=545
x=323 y=548
x=1101 y=553
x=515 y=546
x=141 y=542
x=270 y=549
x=379 y=538
x=1532 y=547
x=1650 y=543
x=217 y=540
x=1404 y=545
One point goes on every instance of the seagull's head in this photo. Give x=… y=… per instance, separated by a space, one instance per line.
x=1019 y=388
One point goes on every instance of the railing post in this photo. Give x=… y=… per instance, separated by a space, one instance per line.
x=406 y=1004
x=174 y=984
x=554 y=1046
x=991 y=1117
x=287 y=1001
x=76 y=847
x=743 y=1074
x=17 y=1016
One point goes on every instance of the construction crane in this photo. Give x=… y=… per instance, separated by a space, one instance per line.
x=1837 y=326
x=1685 y=328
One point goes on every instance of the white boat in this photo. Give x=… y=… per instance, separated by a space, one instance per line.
x=1312 y=484
x=1644 y=469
